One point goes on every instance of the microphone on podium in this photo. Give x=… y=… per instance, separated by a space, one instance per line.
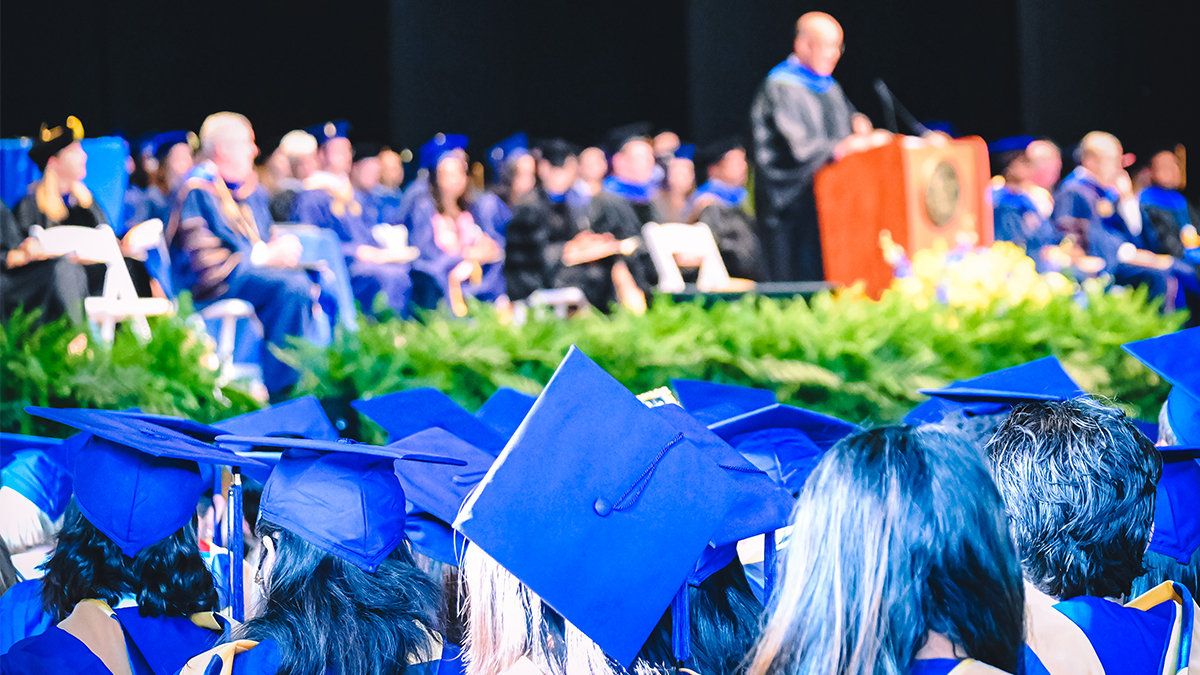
x=892 y=106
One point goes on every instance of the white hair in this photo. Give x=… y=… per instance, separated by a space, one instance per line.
x=220 y=127
x=298 y=143
x=1166 y=435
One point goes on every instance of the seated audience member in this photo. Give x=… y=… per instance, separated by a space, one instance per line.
x=1086 y=209
x=720 y=203
x=331 y=201
x=1164 y=208
x=632 y=182
x=593 y=167
x=419 y=187
x=1016 y=216
x=173 y=152
x=1174 y=553
x=61 y=198
x=31 y=280
x=126 y=583
x=872 y=551
x=458 y=233
x=551 y=235
x=514 y=169
x=678 y=185
x=341 y=593
x=1078 y=482
x=371 y=162
x=221 y=244
x=558 y=586
x=300 y=149
x=138 y=165
x=1045 y=168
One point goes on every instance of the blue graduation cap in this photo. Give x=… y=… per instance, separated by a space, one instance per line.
x=136 y=481
x=340 y=496
x=162 y=143
x=1176 y=358
x=697 y=395
x=438 y=147
x=39 y=469
x=686 y=151
x=600 y=506
x=508 y=149
x=437 y=491
x=298 y=418
x=1040 y=380
x=330 y=130
x=1177 y=508
x=505 y=410
x=1009 y=144
x=785 y=441
x=404 y=413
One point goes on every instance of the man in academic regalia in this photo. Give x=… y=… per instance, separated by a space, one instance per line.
x=221 y=244
x=720 y=203
x=801 y=121
x=330 y=201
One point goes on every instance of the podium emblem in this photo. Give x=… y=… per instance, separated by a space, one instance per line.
x=941 y=195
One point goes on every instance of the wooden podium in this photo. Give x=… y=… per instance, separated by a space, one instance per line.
x=919 y=191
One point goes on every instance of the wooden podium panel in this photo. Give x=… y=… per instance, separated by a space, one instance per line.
x=919 y=191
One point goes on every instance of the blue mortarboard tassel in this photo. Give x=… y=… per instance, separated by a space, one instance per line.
x=681 y=624
x=237 y=597
x=770 y=567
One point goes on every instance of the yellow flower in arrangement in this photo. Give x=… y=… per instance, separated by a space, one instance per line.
x=972 y=277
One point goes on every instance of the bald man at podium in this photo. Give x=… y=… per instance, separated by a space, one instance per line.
x=802 y=121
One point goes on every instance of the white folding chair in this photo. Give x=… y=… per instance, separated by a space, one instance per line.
x=667 y=240
x=119 y=300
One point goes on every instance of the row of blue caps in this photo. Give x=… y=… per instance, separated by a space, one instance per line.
x=601 y=505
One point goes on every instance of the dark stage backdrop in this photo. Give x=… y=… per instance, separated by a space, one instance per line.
x=401 y=70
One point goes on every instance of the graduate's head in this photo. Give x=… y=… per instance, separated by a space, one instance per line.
x=300 y=148
x=391 y=169
x=1078 y=481
x=634 y=162
x=1166 y=170
x=558 y=166
x=173 y=152
x=593 y=165
x=818 y=42
x=898 y=533
x=1101 y=153
x=681 y=174
x=69 y=164
x=1045 y=163
x=449 y=181
x=167 y=577
x=228 y=140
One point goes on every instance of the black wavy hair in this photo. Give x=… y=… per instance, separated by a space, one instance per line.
x=169 y=577
x=1078 y=481
x=327 y=615
x=726 y=617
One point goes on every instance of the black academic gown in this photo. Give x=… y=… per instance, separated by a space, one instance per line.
x=795 y=131
x=733 y=229
x=55 y=286
x=28 y=214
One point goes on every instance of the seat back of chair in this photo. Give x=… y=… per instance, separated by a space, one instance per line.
x=98 y=244
x=665 y=241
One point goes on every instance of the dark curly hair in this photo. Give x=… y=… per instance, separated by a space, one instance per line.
x=169 y=577
x=327 y=615
x=1078 y=482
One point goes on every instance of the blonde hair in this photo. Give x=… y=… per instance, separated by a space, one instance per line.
x=49 y=197
x=219 y=127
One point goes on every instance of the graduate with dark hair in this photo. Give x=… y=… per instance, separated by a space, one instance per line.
x=459 y=232
x=720 y=203
x=514 y=169
x=877 y=578
x=173 y=151
x=127 y=551
x=331 y=201
x=615 y=552
x=341 y=594
x=1016 y=217
x=1078 y=481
